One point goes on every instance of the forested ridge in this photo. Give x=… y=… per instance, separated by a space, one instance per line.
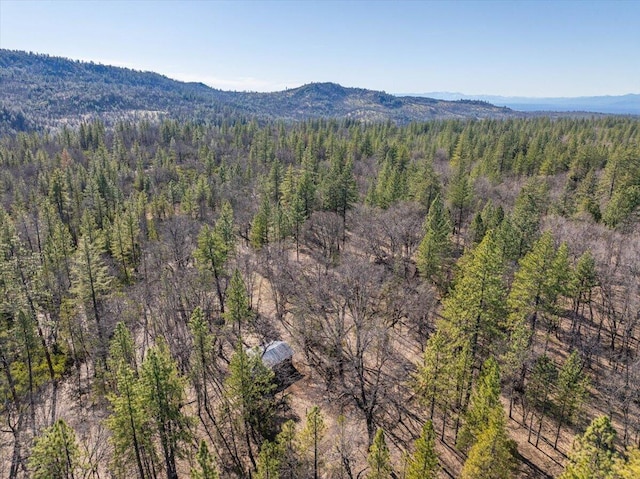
x=43 y=92
x=462 y=299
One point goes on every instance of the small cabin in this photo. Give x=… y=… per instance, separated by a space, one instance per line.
x=277 y=356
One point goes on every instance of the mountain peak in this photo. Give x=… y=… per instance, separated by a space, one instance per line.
x=321 y=88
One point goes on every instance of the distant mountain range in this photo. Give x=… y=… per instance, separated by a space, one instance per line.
x=617 y=105
x=40 y=91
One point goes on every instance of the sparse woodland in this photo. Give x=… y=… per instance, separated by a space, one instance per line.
x=462 y=299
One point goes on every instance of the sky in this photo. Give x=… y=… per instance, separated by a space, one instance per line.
x=520 y=48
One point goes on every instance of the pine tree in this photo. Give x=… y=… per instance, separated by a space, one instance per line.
x=162 y=390
x=538 y=390
x=311 y=436
x=268 y=461
x=224 y=228
x=533 y=297
x=248 y=392
x=339 y=187
x=274 y=182
x=473 y=314
x=259 y=234
x=459 y=195
x=215 y=245
x=423 y=183
x=423 y=463
x=202 y=356
x=124 y=233
x=624 y=202
x=206 y=466
x=122 y=348
x=238 y=310
x=535 y=288
x=484 y=399
x=582 y=283
x=491 y=457
x=435 y=379
x=526 y=215
x=130 y=425
x=477 y=229
x=289 y=451
x=307 y=183
x=297 y=201
x=55 y=453
x=90 y=277
x=593 y=454
x=586 y=196
x=434 y=247
x=571 y=390
x=379 y=458
x=57 y=251
x=629 y=467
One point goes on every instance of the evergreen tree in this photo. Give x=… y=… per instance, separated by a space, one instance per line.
x=130 y=426
x=55 y=453
x=339 y=187
x=124 y=233
x=248 y=392
x=268 y=461
x=238 y=309
x=90 y=277
x=491 y=457
x=571 y=390
x=477 y=229
x=379 y=458
x=311 y=436
x=535 y=287
x=460 y=194
x=473 y=314
x=526 y=216
x=289 y=451
x=484 y=399
x=582 y=283
x=294 y=205
x=202 y=356
x=162 y=392
x=122 y=349
x=224 y=228
x=593 y=454
x=423 y=463
x=435 y=379
x=533 y=297
x=538 y=390
x=423 y=183
x=260 y=225
x=57 y=251
x=206 y=466
x=434 y=247
x=215 y=245
x=586 y=196
x=622 y=205
x=629 y=467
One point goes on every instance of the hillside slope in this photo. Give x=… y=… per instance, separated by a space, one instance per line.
x=52 y=91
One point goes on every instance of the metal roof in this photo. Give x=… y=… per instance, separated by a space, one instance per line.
x=275 y=353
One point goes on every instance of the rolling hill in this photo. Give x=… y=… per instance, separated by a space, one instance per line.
x=43 y=91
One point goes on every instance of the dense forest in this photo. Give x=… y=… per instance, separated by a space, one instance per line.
x=461 y=297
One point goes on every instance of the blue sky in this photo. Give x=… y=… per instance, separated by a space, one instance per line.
x=540 y=48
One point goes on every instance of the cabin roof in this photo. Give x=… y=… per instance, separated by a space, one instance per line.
x=275 y=353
